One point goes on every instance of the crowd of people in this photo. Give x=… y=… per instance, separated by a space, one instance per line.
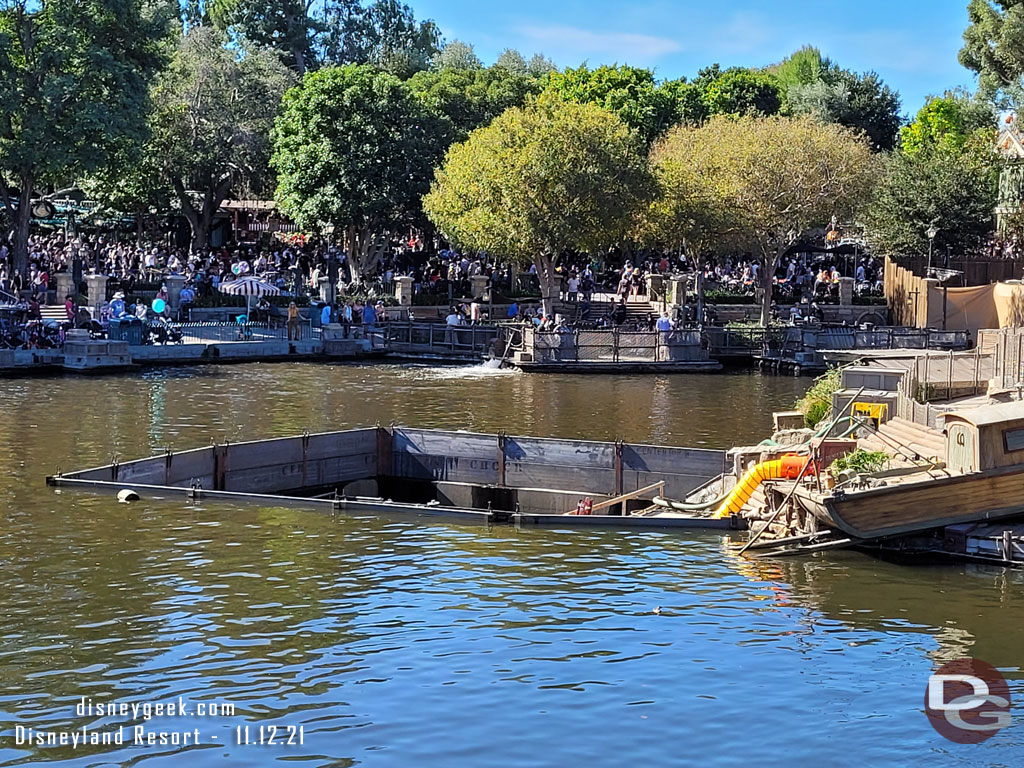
x=438 y=275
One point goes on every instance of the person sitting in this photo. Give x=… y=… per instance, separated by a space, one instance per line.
x=117 y=308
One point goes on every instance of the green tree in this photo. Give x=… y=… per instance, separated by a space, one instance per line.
x=470 y=98
x=540 y=65
x=862 y=102
x=513 y=61
x=814 y=85
x=994 y=48
x=738 y=91
x=133 y=183
x=803 y=67
x=952 y=186
x=539 y=181
x=456 y=55
x=73 y=88
x=354 y=149
x=308 y=34
x=213 y=111
x=389 y=37
x=285 y=26
x=688 y=101
x=950 y=120
x=629 y=92
x=759 y=184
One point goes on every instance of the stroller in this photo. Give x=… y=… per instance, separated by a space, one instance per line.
x=165 y=332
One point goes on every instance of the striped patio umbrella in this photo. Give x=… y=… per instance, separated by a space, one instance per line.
x=248 y=287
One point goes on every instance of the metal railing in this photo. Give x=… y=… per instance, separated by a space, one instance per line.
x=612 y=346
x=438 y=337
x=208 y=332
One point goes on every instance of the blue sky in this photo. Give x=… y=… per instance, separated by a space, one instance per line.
x=912 y=44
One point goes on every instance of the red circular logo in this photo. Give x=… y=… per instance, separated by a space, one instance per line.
x=967 y=701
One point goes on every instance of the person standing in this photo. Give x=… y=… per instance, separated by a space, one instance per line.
x=293 y=322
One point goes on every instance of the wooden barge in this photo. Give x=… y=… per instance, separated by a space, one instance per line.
x=474 y=477
x=965 y=501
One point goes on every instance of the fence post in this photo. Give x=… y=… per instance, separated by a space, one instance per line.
x=949 y=378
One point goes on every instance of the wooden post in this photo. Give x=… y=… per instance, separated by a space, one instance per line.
x=501 y=458
x=619 y=467
x=385 y=455
x=168 y=455
x=220 y=466
x=305 y=453
x=949 y=377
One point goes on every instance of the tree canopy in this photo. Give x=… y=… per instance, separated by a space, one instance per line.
x=456 y=55
x=213 y=111
x=355 y=149
x=384 y=33
x=629 y=92
x=994 y=48
x=739 y=91
x=815 y=85
x=759 y=184
x=74 y=82
x=470 y=98
x=540 y=180
x=945 y=173
x=950 y=120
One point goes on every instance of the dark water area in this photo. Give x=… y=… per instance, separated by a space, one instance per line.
x=398 y=643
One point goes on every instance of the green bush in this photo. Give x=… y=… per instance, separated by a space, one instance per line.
x=861 y=461
x=817 y=403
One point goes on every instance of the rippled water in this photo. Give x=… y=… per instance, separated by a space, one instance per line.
x=397 y=644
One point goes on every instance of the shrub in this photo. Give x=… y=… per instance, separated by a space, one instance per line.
x=861 y=461
x=817 y=403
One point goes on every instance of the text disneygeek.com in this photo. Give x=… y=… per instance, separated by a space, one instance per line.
x=149 y=734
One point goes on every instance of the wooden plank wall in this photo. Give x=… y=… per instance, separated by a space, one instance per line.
x=311 y=461
x=573 y=465
x=322 y=460
x=266 y=466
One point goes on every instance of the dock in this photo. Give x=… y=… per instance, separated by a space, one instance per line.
x=607 y=350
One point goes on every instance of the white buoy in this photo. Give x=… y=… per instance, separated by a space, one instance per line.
x=127 y=494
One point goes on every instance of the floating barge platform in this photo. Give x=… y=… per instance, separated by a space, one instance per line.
x=474 y=477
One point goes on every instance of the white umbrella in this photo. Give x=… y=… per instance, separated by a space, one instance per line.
x=249 y=286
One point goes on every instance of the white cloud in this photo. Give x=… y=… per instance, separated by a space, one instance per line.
x=570 y=44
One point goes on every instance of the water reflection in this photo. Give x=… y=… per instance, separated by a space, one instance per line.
x=394 y=643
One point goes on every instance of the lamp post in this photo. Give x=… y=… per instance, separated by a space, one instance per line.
x=932 y=231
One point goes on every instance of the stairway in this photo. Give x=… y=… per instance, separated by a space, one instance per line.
x=911 y=438
x=600 y=307
x=53 y=312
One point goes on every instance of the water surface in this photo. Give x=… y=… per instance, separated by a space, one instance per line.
x=393 y=643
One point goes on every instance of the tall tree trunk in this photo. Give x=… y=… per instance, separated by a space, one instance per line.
x=22 y=218
x=199 y=221
x=769 y=263
x=363 y=253
x=549 y=282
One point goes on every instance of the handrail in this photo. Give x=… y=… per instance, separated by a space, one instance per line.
x=660 y=485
